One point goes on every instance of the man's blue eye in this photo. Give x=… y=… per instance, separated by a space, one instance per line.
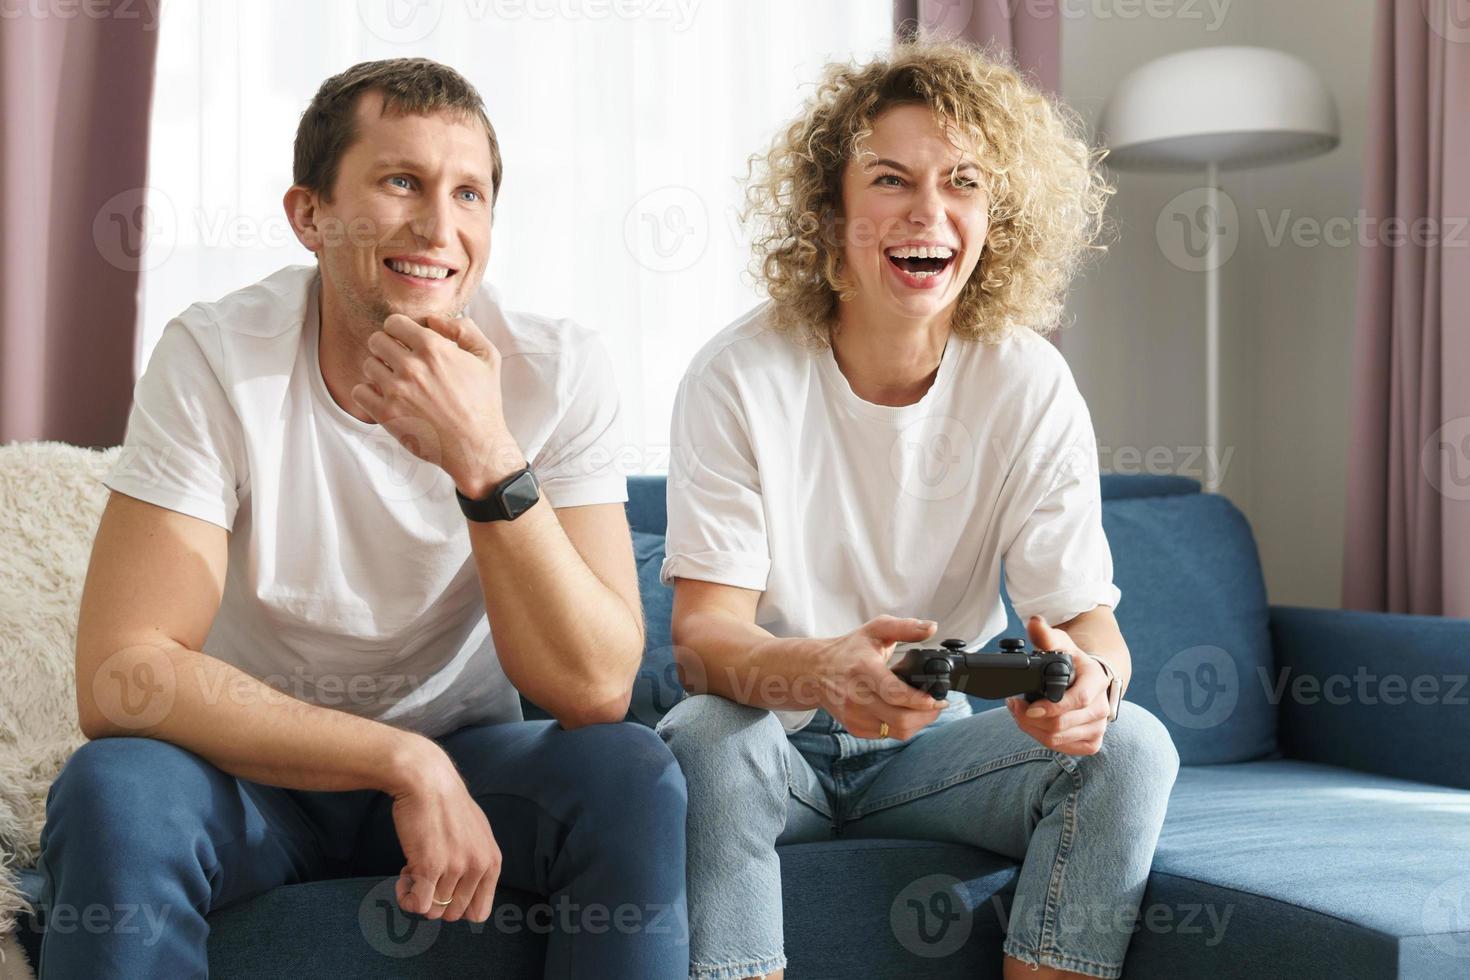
x=399 y=177
x=476 y=193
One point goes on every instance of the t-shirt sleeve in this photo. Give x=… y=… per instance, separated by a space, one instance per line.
x=578 y=464
x=1059 y=564
x=184 y=449
x=717 y=521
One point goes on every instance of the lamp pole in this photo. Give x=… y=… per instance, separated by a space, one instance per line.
x=1212 y=330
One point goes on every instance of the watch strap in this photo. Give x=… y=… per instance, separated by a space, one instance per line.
x=507 y=501
x=1115 y=688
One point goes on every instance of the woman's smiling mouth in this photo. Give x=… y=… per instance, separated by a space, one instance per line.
x=920 y=266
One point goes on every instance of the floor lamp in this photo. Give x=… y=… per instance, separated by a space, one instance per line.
x=1216 y=109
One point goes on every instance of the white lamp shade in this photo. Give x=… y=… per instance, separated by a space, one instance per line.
x=1232 y=106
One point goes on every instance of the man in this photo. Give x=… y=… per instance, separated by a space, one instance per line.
x=284 y=657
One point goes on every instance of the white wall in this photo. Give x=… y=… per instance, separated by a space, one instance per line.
x=1137 y=340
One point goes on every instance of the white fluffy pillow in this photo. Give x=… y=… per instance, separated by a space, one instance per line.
x=51 y=498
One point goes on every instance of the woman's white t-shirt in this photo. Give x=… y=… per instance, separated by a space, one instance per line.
x=351 y=582
x=837 y=510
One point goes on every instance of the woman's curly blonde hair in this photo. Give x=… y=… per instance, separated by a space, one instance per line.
x=1047 y=192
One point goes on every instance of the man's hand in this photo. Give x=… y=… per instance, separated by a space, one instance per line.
x=436 y=388
x=1076 y=723
x=859 y=689
x=450 y=849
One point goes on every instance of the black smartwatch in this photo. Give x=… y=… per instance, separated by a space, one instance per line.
x=515 y=495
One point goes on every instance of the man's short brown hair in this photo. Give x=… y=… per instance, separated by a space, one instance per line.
x=408 y=85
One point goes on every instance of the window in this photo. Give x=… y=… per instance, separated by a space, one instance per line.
x=625 y=126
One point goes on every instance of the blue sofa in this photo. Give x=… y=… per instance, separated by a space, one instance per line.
x=1319 y=827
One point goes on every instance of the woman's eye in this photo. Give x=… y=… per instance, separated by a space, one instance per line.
x=884 y=177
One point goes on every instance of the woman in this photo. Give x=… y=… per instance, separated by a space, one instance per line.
x=852 y=462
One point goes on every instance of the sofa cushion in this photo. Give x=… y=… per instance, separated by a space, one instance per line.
x=911 y=908
x=656 y=689
x=1285 y=869
x=1195 y=617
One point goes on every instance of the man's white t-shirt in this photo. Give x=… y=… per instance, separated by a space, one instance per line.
x=784 y=481
x=351 y=583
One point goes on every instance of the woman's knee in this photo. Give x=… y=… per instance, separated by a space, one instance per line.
x=721 y=743
x=1138 y=750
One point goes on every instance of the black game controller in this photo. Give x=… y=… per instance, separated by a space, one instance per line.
x=988 y=675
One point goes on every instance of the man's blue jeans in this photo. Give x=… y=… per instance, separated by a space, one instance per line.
x=591 y=818
x=1083 y=827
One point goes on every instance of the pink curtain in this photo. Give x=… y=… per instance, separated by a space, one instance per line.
x=1407 y=544
x=1032 y=31
x=75 y=88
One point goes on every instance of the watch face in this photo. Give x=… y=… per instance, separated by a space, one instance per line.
x=521 y=494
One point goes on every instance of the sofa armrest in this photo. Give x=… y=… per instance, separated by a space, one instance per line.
x=1377 y=692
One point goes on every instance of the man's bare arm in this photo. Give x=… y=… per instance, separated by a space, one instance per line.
x=561 y=590
x=153 y=588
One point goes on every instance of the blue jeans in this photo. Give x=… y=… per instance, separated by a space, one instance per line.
x=592 y=818
x=1083 y=827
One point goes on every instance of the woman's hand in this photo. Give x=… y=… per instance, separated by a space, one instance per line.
x=1075 y=724
x=859 y=689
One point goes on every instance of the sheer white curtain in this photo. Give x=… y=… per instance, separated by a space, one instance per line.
x=624 y=124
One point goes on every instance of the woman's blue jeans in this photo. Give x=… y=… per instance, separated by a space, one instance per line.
x=592 y=818
x=1083 y=827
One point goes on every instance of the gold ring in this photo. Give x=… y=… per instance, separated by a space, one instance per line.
x=437 y=902
x=883 y=730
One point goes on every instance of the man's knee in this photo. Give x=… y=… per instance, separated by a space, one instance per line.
x=627 y=763
x=126 y=777
x=720 y=743
x=125 y=803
